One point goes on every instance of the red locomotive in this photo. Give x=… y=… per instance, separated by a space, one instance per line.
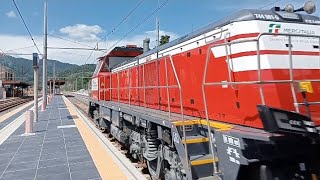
x=237 y=99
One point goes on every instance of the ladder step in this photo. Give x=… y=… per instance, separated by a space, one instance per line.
x=209 y=178
x=202 y=159
x=214 y=124
x=187 y=122
x=195 y=139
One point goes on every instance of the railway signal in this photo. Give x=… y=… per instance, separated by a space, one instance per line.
x=35 y=85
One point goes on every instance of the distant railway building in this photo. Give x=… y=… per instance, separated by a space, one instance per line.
x=9 y=86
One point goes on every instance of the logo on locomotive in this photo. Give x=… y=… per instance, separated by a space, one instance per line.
x=274 y=28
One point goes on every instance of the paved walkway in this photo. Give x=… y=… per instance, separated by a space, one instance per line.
x=10 y=116
x=56 y=151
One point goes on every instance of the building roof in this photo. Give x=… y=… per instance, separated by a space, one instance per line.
x=57 y=82
x=16 y=83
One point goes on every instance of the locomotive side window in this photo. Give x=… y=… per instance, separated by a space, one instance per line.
x=96 y=71
x=104 y=67
x=113 y=61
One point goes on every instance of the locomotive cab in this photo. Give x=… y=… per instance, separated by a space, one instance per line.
x=115 y=57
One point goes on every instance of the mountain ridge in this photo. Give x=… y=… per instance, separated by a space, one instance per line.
x=24 y=68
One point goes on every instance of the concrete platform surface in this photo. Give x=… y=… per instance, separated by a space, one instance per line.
x=56 y=150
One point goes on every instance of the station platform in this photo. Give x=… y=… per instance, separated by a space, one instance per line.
x=62 y=147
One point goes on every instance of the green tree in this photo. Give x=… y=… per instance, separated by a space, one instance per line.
x=164 y=39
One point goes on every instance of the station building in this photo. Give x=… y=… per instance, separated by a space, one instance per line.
x=9 y=86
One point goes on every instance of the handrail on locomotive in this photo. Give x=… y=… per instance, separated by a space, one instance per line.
x=144 y=87
x=260 y=82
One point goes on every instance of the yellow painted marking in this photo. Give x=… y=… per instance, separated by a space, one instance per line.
x=306 y=86
x=105 y=164
x=11 y=113
x=196 y=140
x=213 y=124
x=187 y=122
x=203 y=161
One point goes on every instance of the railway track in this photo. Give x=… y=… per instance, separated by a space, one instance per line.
x=13 y=102
x=81 y=102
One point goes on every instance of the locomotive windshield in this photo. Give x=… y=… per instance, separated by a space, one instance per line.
x=104 y=65
x=96 y=71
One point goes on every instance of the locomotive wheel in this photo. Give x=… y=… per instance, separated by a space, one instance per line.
x=96 y=118
x=155 y=168
x=265 y=173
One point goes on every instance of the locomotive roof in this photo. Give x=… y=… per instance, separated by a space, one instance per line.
x=243 y=15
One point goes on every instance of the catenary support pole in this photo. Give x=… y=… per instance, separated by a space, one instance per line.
x=54 y=79
x=50 y=88
x=76 y=84
x=44 y=64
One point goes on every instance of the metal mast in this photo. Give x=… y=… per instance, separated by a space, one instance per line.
x=44 y=63
x=54 y=79
x=158 y=30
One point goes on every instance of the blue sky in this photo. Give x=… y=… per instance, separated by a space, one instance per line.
x=87 y=21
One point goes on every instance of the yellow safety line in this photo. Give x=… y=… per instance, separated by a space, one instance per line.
x=203 y=161
x=213 y=124
x=106 y=166
x=196 y=140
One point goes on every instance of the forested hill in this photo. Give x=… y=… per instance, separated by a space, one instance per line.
x=78 y=77
x=24 y=70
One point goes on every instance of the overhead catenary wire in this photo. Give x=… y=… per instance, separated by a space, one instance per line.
x=20 y=54
x=140 y=23
x=69 y=40
x=270 y=4
x=115 y=27
x=26 y=47
x=76 y=48
x=25 y=24
x=123 y=20
x=6 y=56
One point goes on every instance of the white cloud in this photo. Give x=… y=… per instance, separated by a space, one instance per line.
x=71 y=56
x=11 y=14
x=82 y=32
